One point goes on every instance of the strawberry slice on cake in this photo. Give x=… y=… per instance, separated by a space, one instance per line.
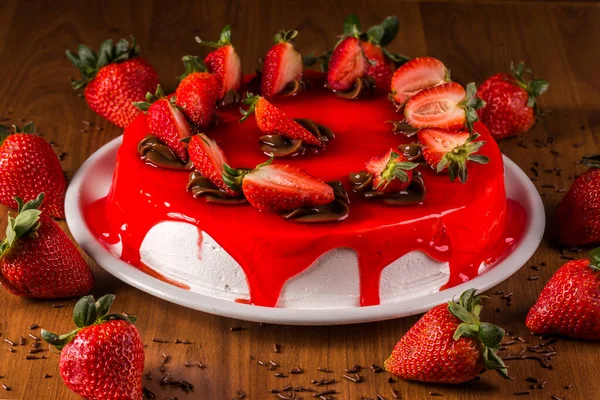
x=417 y=74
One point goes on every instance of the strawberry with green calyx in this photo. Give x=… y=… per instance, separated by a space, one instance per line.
x=568 y=304
x=282 y=70
x=38 y=260
x=28 y=166
x=511 y=99
x=225 y=64
x=271 y=120
x=103 y=358
x=275 y=187
x=166 y=122
x=209 y=159
x=444 y=150
x=446 y=106
x=449 y=344
x=348 y=64
x=578 y=214
x=113 y=78
x=198 y=93
x=391 y=172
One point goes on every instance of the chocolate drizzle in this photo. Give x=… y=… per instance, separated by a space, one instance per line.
x=403 y=128
x=203 y=187
x=231 y=97
x=361 y=87
x=412 y=151
x=154 y=152
x=281 y=146
x=412 y=195
x=293 y=88
x=337 y=210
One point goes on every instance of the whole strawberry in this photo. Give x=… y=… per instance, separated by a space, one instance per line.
x=225 y=64
x=569 y=305
x=113 y=79
x=103 y=358
x=510 y=99
x=38 y=260
x=578 y=214
x=166 y=122
x=28 y=166
x=449 y=344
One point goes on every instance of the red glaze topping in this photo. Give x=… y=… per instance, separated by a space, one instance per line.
x=463 y=224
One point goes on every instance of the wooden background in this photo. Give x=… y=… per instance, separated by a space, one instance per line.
x=558 y=39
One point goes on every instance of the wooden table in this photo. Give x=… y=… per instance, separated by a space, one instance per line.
x=559 y=40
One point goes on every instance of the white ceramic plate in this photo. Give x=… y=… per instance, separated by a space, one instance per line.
x=97 y=174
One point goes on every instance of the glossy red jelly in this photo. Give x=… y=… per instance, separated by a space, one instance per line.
x=462 y=224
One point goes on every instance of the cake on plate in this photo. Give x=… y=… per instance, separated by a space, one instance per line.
x=329 y=193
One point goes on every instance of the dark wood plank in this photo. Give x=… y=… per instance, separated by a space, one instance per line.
x=557 y=40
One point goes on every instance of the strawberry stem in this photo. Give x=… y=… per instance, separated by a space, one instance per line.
x=87 y=312
x=456 y=159
x=150 y=98
x=594 y=256
x=224 y=38
x=284 y=36
x=24 y=224
x=591 y=161
x=534 y=87
x=467 y=309
x=192 y=64
x=250 y=100
x=471 y=103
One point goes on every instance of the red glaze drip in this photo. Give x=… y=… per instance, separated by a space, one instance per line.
x=464 y=225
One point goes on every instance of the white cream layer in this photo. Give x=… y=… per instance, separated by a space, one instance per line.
x=171 y=248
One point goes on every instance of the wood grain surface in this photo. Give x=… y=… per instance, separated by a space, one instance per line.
x=559 y=40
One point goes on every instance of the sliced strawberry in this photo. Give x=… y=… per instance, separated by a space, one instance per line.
x=283 y=65
x=166 y=122
x=451 y=150
x=272 y=121
x=279 y=187
x=347 y=64
x=416 y=75
x=381 y=67
x=446 y=106
x=208 y=159
x=392 y=172
x=224 y=63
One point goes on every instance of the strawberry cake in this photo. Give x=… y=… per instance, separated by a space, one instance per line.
x=370 y=183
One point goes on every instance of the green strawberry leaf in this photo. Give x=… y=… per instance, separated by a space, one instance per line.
x=84 y=313
x=490 y=335
x=390 y=26
x=309 y=59
x=375 y=34
x=103 y=305
x=351 y=25
x=461 y=313
x=465 y=330
x=594 y=256
x=591 y=161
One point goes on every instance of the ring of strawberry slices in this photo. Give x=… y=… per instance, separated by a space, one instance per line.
x=437 y=112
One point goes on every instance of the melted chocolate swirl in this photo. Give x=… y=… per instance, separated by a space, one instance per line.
x=337 y=210
x=362 y=86
x=281 y=146
x=412 y=195
x=156 y=153
x=203 y=187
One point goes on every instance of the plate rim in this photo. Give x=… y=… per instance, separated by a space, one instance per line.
x=293 y=316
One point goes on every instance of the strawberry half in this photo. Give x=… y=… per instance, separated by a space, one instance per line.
x=391 y=172
x=416 y=75
x=446 y=106
x=347 y=63
x=272 y=121
x=166 y=122
x=451 y=150
x=282 y=66
x=197 y=93
x=279 y=187
x=225 y=64
x=208 y=159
